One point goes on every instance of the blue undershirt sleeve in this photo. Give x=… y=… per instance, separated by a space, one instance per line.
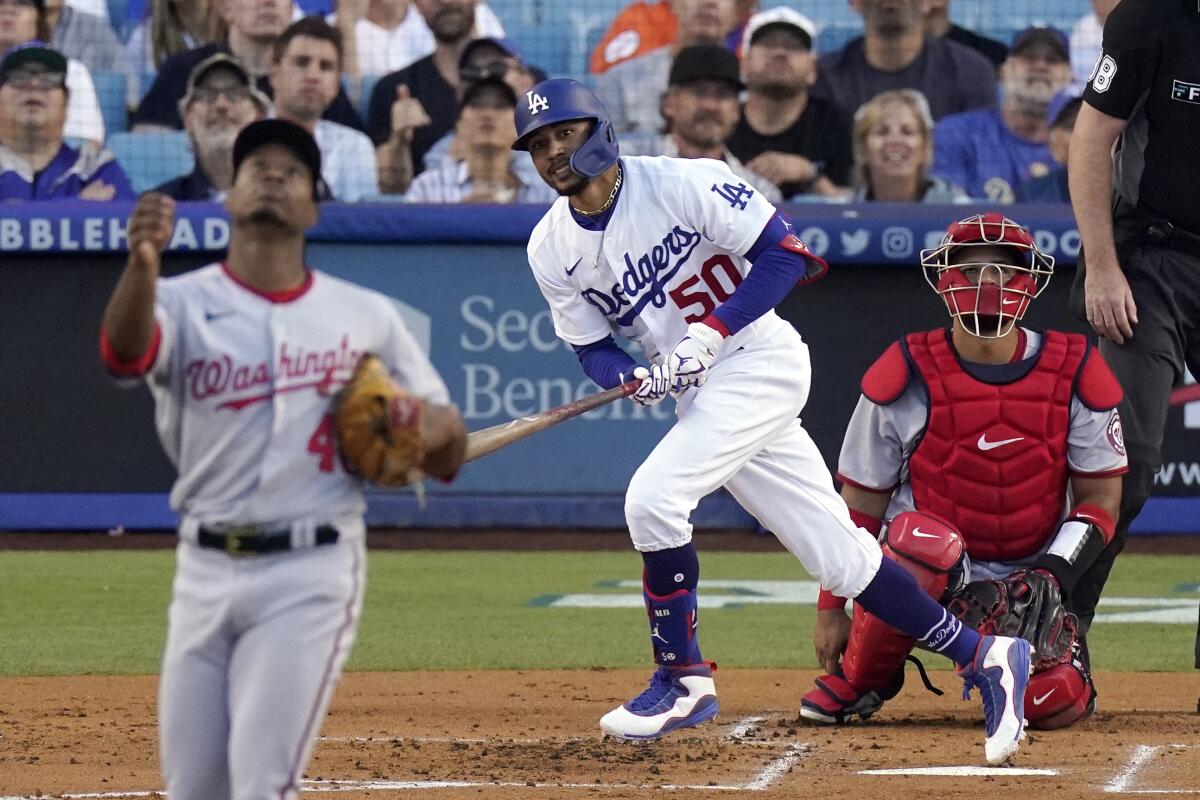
x=605 y=362
x=776 y=270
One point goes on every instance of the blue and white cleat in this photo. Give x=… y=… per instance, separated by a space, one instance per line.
x=1000 y=670
x=677 y=697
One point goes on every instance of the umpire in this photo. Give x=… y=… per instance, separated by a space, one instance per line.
x=1140 y=223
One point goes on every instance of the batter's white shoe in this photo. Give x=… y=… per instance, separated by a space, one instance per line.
x=677 y=697
x=1000 y=670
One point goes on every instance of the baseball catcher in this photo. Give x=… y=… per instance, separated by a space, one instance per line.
x=390 y=437
x=995 y=453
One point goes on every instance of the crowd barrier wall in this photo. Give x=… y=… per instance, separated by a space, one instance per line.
x=82 y=453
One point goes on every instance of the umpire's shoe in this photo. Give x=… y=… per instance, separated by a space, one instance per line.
x=1000 y=670
x=677 y=697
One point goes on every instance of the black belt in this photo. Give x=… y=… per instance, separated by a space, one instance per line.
x=247 y=540
x=1165 y=234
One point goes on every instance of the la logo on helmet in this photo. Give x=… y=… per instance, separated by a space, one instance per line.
x=537 y=102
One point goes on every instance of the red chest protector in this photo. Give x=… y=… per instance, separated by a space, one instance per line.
x=993 y=457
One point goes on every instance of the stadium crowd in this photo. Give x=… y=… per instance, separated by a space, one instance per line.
x=409 y=99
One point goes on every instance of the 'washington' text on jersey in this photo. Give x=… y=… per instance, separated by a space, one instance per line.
x=653 y=269
x=209 y=377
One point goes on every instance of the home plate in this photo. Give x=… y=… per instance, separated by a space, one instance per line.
x=959 y=772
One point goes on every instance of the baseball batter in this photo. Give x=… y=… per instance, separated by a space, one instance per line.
x=241 y=358
x=659 y=251
x=1012 y=439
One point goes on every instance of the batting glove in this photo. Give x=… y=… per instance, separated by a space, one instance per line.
x=689 y=361
x=654 y=385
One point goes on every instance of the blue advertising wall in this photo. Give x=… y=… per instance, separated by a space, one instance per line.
x=462 y=280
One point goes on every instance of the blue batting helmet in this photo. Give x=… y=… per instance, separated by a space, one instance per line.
x=561 y=100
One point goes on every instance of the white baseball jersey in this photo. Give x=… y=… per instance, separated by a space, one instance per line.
x=880 y=439
x=242 y=384
x=671 y=253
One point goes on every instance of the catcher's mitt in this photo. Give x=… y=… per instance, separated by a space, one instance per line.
x=1025 y=604
x=378 y=426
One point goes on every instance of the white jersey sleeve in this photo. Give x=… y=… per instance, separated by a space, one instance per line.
x=879 y=440
x=1095 y=446
x=408 y=362
x=723 y=207
x=167 y=315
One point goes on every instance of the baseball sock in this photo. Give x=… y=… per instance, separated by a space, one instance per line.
x=894 y=596
x=669 y=581
x=667 y=571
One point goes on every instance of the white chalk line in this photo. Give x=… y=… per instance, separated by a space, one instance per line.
x=1142 y=754
x=965 y=771
x=771 y=773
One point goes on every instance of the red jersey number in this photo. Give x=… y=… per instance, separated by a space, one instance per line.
x=720 y=277
x=323 y=444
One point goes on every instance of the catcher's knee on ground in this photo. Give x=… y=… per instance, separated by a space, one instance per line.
x=1059 y=696
x=873 y=664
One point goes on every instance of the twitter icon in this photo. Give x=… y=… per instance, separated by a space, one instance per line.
x=855 y=243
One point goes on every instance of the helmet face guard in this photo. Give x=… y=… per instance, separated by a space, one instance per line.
x=987 y=298
x=565 y=100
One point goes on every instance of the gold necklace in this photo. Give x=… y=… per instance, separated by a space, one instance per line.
x=611 y=197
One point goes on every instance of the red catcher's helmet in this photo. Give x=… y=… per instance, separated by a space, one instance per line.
x=987 y=298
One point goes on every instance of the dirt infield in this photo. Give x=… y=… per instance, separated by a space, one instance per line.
x=533 y=735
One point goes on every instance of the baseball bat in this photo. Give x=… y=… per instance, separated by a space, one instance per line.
x=489 y=440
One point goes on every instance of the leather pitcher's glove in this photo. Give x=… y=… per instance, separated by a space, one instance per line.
x=378 y=426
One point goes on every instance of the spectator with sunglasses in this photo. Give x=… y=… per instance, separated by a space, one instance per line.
x=417 y=131
x=221 y=99
x=35 y=162
x=489 y=171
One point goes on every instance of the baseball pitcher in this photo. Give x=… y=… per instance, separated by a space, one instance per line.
x=244 y=359
x=995 y=452
x=687 y=261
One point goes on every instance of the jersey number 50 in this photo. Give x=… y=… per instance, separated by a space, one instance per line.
x=719 y=275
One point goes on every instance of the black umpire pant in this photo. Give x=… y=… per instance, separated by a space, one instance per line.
x=1163 y=269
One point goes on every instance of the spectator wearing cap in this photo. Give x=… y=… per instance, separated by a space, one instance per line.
x=305 y=72
x=894 y=52
x=254 y=25
x=35 y=162
x=413 y=112
x=485 y=59
x=388 y=35
x=990 y=152
x=221 y=100
x=701 y=109
x=24 y=21
x=939 y=26
x=1087 y=38
x=1054 y=187
x=633 y=89
x=798 y=142
x=487 y=172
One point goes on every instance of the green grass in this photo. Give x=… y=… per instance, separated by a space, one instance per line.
x=64 y=613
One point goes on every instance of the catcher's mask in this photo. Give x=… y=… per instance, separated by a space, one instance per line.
x=987 y=298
